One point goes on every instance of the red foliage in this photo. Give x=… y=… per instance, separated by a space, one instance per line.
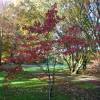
x=70 y=44
x=31 y=53
x=12 y=70
x=45 y=46
x=97 y=27
x=71 y=40
x=70 y=51
x=50 y=21
x=74 y=30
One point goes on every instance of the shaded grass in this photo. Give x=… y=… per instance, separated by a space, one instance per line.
x=25 y=86
x=22 y=94
x=30 y=93
x=85 y=85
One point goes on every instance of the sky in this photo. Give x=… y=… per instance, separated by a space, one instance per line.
x=3 y=3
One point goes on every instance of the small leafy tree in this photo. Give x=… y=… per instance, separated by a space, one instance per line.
x=37 y=47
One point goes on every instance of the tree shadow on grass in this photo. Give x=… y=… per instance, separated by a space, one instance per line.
x=30 y=93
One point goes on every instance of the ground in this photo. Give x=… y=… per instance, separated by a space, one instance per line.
x=32 y=84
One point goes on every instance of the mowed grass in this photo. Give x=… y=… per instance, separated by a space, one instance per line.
x=29 y=94
x=26 y=86
x=85 y=85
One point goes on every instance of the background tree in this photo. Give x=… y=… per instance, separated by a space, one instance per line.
x=78 y=24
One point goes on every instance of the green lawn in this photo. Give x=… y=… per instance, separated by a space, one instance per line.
x=85 y=85
x=29 y=94
x=25 y=86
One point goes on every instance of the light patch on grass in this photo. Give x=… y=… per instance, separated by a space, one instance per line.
x=29 y=83
x=17 y=83
x=1 y=78
x=38 y=68
x=30 y=69
x=34 y=79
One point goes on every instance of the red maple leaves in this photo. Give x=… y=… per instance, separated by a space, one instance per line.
x=74 y=30
x=11 y=70
x=70 y=44
x=97 y=27
x=50 y=21
x=36 y=49
x=31 y=53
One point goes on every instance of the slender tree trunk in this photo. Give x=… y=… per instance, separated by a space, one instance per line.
x=53 y=79
x=0 y=46
x=49 y=80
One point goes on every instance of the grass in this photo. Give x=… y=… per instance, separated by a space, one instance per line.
x=43 y=67
x=26 y=86
x=29 y=94
x=85 y=85
x=22 y=94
